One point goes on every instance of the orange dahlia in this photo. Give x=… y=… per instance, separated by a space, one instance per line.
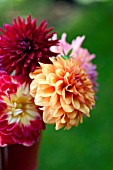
x=64 y=91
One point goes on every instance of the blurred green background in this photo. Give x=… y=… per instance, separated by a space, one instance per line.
x=90 y=145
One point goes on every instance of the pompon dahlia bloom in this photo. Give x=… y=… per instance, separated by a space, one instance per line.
x=64 y=91
x=23 y=45
x=20 y=119
x=80 y=54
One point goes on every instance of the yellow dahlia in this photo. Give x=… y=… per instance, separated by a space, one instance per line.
x=64 y=91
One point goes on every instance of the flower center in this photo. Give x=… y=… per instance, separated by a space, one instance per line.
x=20 y=107
x=18 y=110
x=25 y=45
x=21 y=112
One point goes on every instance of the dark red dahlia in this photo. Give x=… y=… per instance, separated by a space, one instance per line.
x=23 y=45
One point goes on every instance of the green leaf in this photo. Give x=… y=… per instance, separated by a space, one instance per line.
x=69 y=52
x=65 y=57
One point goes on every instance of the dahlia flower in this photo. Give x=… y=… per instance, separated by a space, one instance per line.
x=82 y=55
x=63 y=90
x=20 y=119
x=23 y=45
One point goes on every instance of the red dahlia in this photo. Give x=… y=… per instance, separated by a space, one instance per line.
x=23 y=45
x=20 y=119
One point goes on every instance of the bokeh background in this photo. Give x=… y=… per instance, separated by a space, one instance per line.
x=90 y=145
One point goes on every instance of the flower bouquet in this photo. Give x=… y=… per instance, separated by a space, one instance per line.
x=43 y=79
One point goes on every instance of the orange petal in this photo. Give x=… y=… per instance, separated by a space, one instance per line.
x=66 y=107
x=63 y=119
x=67 y=96
x=42 y=101
x=75 y=91
x=70 y=88
x=54 y=101
x=58 y=125
x=68 y=64
x=33 y=88
x=61 y=60
x=72 y=115
x=40 y=79
x=81 y=118
x=59 y=86
x=75 y=103
x=51 y=79
x=60 y=73
x=81 y=98
x=56 y=63
x=66 y=78
x=38 y=70
x=68 y=126
x=47 y=117
x=72 y=122
x=47 y=68
x=84 y=109
x=45 y=90
x=58 y=112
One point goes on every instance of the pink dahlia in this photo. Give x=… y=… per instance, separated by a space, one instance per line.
x=23 y=45
x=82 y=55
x=20 y=119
